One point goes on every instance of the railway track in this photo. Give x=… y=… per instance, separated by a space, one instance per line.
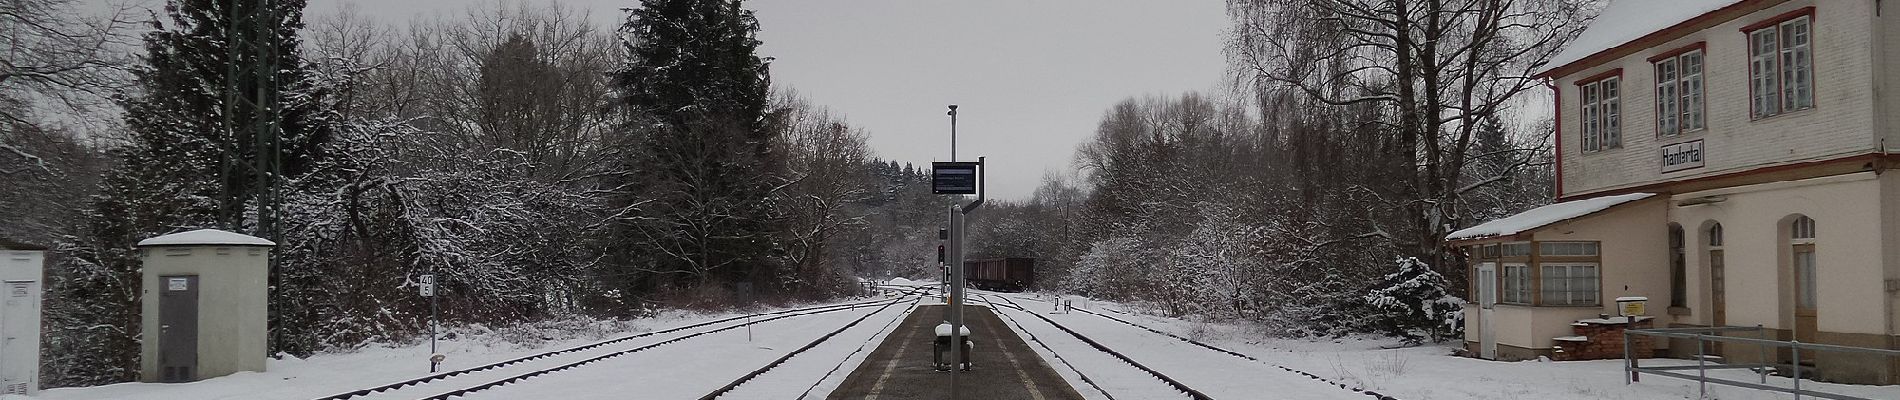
x=1218 y=349
x=736 y=383
x=1045 y=347
x=539 y=364
x=1164 y=378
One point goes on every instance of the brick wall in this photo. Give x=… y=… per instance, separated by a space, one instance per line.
x=1603 y=341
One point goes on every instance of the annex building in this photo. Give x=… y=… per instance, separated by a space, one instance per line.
x=1731 y=161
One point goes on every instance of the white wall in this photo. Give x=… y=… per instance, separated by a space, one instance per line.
x=1887 y=47
x=1848 y=246
x=232 y=305
x=1841 y=122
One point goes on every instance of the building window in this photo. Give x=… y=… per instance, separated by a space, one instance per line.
x=1570 y=284
x=1781 y=66
x=1602 y=114
x=1679 y=105
x=1715 y=235
x=1573 y=249
x=1519 y=249
x=1803 y=230
x=1517 y=284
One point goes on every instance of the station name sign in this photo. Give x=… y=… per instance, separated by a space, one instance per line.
x=953 y=177
x=1681 y=156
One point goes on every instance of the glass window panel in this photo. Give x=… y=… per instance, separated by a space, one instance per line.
x=1691 y=91
x=1799 y=64
x=1612 y=114
x=1666 y=113
x=1590 y=117
x=1804 y=265
x=1762 y=73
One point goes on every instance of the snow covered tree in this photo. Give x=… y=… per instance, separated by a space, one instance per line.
x=1430 y=71
x=184 y=165
x=827 y=164
x=1412 y=304
x=1224 y=260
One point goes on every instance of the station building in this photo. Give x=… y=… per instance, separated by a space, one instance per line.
x=1730 y=161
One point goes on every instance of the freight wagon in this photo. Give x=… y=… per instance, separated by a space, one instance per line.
x=1002 y=274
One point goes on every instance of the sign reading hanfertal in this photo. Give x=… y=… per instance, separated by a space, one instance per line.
x=953 y=177
x=1681 y=156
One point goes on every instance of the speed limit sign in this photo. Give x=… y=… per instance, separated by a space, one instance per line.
x=426 y=284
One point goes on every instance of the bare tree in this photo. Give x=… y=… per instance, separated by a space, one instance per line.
x=1436 y=70
x=826 y=160
x=56 y=56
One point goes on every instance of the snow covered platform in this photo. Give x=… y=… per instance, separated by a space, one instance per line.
x=1004 y=366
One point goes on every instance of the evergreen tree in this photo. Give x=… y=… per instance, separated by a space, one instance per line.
x=1412 y=304
x=700 y=186
x=186 y=165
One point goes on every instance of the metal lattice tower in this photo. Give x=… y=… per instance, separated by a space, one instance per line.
x=252 y=165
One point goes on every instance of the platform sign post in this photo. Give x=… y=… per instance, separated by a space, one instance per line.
x=426 y=285
x=957 y=178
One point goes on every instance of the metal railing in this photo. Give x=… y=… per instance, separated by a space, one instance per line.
x=1703 y=336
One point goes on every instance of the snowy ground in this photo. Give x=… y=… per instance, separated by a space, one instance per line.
x=700 y=361
x=691 y=367
x=1415 y=373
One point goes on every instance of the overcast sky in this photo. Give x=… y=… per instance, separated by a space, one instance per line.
x=1032 y=77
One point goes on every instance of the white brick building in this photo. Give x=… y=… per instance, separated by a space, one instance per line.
x=1764 y=131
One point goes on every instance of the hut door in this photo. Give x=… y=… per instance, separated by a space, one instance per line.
x=19 y=334
x=177 y=328
x=1487 y=321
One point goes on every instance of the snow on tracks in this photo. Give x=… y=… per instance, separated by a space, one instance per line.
x=1113 y=372
x=1242 y=356
x=794 y=375
x=1240 y=376
x=680 y=372
x=537 y=364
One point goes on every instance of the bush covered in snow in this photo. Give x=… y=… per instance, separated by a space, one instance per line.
x=1412 y=303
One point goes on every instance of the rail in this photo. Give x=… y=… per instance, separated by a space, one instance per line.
x=1703 y=336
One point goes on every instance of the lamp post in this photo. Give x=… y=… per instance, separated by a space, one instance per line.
x=953 y=132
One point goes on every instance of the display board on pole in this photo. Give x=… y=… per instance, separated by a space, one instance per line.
x=953 y=177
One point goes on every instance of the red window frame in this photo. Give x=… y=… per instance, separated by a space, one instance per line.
x=1748 y=37
x=1583 y=101
x=1673 y=55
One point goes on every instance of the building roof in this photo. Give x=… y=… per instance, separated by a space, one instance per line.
x=203 y=237
x=1625 y=21
x=10 y=244
x=1543 y=216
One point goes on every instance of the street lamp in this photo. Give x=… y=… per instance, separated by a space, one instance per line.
x=953 y=132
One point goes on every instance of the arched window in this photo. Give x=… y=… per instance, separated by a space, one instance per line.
x=1803 y=229
x=1715 y=235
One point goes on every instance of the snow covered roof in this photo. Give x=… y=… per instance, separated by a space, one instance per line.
x=10 y=244
x=1541 y=216
x=1624 y=21
x=206 y=237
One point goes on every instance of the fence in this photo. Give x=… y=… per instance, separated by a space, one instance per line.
x=1703 y=336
